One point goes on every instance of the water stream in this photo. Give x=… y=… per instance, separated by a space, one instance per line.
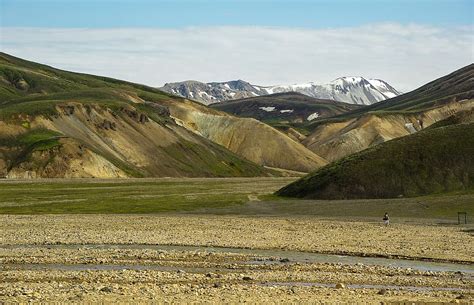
x=280 y=256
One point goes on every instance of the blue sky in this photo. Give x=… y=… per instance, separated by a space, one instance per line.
x=406 y=42
x=184 y=13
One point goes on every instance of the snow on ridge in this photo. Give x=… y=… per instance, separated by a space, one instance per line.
x=383 y=87
x=302 y=86
x=286 y=111
x=267 y=109
x=389 y=94
x=341 y=81
x=312 y=116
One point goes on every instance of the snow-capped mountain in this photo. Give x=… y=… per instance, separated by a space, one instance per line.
x=353 y=90
x=213 y=92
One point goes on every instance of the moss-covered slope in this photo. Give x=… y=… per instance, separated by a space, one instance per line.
x=431 y=161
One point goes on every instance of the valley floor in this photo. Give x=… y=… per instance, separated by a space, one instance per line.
x=256 y=248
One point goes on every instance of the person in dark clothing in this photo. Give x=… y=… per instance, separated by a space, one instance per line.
x=420 y=122
x=386 y=219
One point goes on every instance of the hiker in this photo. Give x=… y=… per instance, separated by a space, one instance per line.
x=386 y=219
x=420 y=122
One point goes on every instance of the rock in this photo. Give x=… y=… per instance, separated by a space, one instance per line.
x=284 y=260
x=106 y=289
x=143 y=119
x=247 y=278
x=340 y=286
x=181 y=271
x=68 y=110
x=382 y=291
x=217 y=285
x=22 y=84
x=460 y=297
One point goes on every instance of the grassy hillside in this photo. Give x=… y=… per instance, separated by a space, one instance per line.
x=55 y=123
x=131 y=129
x=462 y=117
x=284 y=110
x=431 y=161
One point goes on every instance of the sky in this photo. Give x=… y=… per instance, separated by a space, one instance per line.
x=406 y=43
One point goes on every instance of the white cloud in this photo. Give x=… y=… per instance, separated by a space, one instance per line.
x=406 y=56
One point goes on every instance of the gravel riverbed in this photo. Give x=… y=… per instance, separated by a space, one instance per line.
x=33 y=271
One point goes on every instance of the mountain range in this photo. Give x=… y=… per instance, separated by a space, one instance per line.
x=353 y=90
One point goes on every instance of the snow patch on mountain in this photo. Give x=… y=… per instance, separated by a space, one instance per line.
x=312 y=116
x=267 y=109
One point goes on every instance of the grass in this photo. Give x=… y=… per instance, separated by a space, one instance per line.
x=19 y=149
x=219 y=196
x=433 y=207
x=31 y=138
x=47 y=87
x=130 y=196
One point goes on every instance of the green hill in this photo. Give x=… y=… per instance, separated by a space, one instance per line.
x=431 y=161
x=55 y=123
x=105 y=127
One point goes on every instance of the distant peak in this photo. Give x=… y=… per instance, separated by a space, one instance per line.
x=350 y=79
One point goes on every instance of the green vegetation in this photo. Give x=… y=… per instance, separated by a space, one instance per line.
x=29 y=88
x=433 y=207
x=221 y=196
x=428 y=162
x=194 y=158
x=129 y=196
x=19 y=149
x=33 y=139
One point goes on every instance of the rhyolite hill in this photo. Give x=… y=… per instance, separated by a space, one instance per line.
x=55 y=123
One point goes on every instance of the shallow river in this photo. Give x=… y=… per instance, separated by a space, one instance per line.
x=281 y=257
